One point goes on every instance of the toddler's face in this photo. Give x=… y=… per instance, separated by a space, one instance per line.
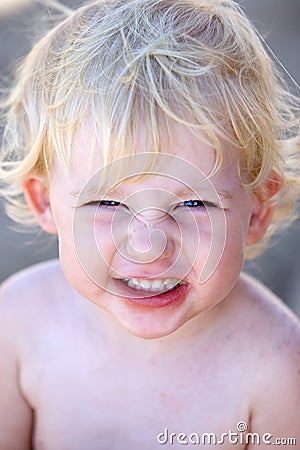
x=153 y=250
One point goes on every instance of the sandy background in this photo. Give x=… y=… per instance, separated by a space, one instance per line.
x=278 y=20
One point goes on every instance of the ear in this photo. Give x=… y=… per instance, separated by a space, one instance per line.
x=263 y=208
x=37 y=196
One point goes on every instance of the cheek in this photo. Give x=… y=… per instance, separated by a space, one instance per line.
x=234 y=250
x=221 y=247
x=224 y=272
x=83 y=265
x=105 y=243
x=212 y=241
x=81 y=261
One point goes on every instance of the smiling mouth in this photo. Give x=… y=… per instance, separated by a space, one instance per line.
x=155 y=286
x=154 y=293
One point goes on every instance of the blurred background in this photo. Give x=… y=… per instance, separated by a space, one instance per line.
x=277 y=20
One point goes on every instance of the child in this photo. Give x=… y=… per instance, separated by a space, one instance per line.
x=157 y=140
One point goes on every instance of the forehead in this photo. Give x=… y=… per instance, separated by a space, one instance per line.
x=184 y=158
x=176 y=140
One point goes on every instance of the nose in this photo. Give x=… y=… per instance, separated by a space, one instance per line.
x=149 y=236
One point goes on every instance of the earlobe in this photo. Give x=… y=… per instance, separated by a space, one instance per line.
x=263 y=208
x=37 y=196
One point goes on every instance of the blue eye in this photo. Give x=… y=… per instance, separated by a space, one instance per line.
x=105 y=203
x=109 y=203
x=196 y=204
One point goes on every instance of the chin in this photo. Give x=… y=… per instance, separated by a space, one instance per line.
x=153 y=324
x=151 y=333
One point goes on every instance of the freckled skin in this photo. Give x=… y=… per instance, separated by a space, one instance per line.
x=87 y=384
x=83 y=369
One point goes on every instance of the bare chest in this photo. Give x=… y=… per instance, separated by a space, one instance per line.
x=81 y=403
x=78 y=420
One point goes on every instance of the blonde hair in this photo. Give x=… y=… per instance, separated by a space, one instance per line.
x=198 y=62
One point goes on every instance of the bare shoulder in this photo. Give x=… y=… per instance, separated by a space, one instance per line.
x=271 y=329
x=33 y=278
x=24 y=300
x=272 y=333
x=271 y=318
x=31 y=298
x=266 y=328
x=34 y=286
x=31 y=303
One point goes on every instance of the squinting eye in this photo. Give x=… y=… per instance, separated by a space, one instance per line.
x=105 y=203
x=109 y=203
x=196 y=204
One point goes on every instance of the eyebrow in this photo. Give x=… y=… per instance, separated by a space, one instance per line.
x=75 y=194
x=92 y=193
x=197 y=190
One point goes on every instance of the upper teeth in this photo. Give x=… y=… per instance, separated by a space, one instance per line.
x=151 y=285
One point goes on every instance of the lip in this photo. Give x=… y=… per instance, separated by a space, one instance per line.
x=138 y=298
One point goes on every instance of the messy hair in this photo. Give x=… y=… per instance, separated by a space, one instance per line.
x=200 y=63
